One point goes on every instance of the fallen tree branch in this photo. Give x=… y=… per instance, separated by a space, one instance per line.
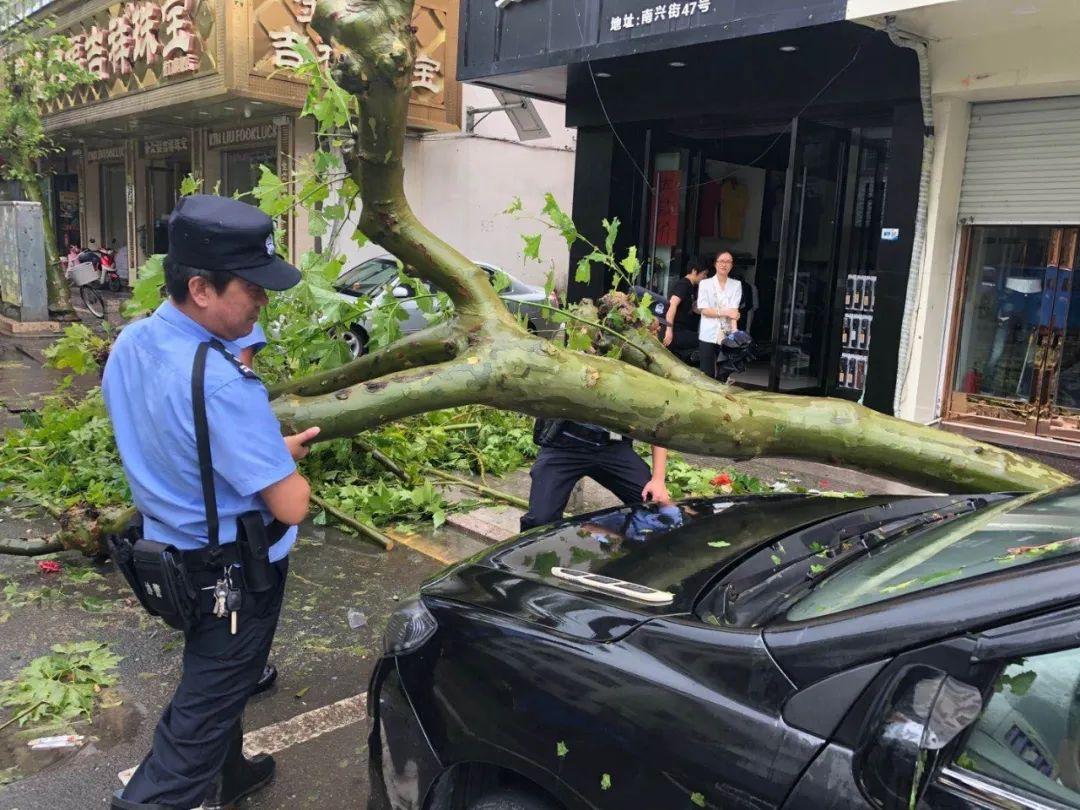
x=30 y=547
x=365 y=531
x=513 y=500
x=432 y=345
x=383 y=459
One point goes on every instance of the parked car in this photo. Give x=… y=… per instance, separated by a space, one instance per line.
x=375 y=277
x=788 y=651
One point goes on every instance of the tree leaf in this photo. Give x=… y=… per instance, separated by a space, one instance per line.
x=532 y=246
x=605 y=782
x=561 y=750
x=698 y=799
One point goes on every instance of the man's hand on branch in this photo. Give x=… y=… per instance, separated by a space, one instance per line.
x=298 y=441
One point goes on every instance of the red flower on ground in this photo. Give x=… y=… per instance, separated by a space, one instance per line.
x=48 y=566
x=723 y=479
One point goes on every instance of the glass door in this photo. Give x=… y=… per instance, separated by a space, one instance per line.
x=802 y=322
x=1058 y=383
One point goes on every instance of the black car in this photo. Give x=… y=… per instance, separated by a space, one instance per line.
x=791 y=651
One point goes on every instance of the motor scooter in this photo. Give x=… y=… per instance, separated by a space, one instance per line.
x=104 y=262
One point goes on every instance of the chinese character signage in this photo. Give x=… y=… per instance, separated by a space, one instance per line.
x=138 y=45
x=279 y=26
x=657 y=14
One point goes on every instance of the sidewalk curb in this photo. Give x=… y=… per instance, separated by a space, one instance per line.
x=480 y=529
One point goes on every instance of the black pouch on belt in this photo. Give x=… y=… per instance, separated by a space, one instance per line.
x=253 y=543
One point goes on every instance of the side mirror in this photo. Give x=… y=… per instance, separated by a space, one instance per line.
x=400 y=292
x=918 y=714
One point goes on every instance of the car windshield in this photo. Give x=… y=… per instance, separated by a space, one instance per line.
x=369 y=275
x=1014 y=533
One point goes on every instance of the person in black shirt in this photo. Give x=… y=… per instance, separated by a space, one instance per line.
x=680 y=312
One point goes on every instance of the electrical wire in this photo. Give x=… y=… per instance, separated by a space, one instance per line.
x=755 y=161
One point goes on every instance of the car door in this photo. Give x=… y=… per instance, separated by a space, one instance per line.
x=1024 y=749
x=1021 y=752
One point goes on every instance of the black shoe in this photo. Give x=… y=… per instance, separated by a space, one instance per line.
x=239 y=776
x=120 y=803
x=266 y=680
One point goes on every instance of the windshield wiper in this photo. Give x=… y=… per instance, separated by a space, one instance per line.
x=853 y=536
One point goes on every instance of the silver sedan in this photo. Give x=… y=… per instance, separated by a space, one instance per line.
x=376 y=278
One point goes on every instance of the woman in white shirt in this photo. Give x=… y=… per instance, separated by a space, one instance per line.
x=718 y=303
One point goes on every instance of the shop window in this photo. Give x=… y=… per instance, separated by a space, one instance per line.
x=1002 y=310
x=240 y=168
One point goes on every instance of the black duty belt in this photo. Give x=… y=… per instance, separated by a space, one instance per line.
x=226 y=554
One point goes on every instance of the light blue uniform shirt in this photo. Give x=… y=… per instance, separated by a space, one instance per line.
x=147 y=390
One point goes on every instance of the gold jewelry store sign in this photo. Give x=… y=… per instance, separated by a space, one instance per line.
x=139 y=45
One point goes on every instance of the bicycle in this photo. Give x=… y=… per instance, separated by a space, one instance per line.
x=85 y=276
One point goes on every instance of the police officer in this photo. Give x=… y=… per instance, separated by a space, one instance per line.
x=221 y=262
x=570 y=451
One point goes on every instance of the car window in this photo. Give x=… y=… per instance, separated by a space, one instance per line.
x=365 y=277
x=1017 y=532
x=1029 y=731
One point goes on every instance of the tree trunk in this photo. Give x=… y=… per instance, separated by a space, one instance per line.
x=56 y=285
x=482 y=356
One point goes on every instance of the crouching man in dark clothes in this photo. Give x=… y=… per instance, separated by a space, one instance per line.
x=570 y=451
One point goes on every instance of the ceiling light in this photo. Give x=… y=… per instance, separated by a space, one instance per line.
x=602 y=75
x=789 y=48
x=203 y=112
x=230 y=109
x=676 y=64
x=256 y=103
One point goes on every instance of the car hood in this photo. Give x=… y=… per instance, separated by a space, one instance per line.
x=676 y=549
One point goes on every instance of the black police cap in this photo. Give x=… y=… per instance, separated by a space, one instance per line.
x=220 y=233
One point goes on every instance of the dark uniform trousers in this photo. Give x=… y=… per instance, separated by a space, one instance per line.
x=615 y=466
x=220 y=670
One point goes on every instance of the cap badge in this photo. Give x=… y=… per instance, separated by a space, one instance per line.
x=270 y=246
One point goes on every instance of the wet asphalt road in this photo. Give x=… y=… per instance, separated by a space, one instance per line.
x=321 y=660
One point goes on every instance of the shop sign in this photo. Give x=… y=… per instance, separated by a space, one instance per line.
x=165 y=146
x=108 y=153
x=141 y=31
x=229 y=137
x=658 y=13
x=280 y=26
x=137 y=45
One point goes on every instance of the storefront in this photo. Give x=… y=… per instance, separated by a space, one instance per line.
x=767 y=130
x=193 y=87
x=1014 y=359
x=992 y=346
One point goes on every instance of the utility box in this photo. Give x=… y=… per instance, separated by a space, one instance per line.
x=23 y=296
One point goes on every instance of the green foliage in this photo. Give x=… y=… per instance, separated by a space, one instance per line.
x=466 y=440
x=33 y=72
x=149 y=289
x=1016 y=682
x=61 y=686
x=561 y=750
x=80 y=350
x=65 y=455
x=698 y=799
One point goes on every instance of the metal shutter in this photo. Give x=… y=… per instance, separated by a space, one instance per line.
x=1023 y=163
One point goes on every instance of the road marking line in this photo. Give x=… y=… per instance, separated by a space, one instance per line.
x=307 y=726
x=296 y=730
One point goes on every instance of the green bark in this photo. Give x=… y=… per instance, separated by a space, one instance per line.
x=482 y=356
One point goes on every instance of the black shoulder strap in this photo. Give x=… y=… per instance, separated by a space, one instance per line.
x=202 y=442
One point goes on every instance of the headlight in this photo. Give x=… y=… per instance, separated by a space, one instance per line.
x=409 y=628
